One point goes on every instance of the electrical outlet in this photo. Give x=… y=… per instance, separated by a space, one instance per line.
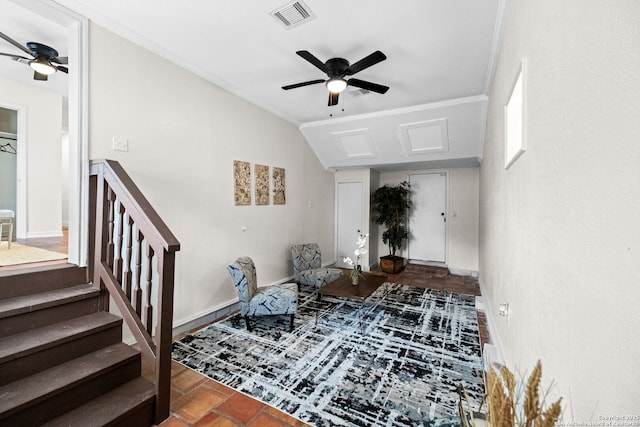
x=503 y=309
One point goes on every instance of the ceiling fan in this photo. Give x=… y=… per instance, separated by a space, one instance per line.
x=43 y=58
x=339 y=68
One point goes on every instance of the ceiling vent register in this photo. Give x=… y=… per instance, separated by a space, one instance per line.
x=292 y=14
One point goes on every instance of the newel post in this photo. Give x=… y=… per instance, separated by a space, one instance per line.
x=164 y=329
x=97 y=219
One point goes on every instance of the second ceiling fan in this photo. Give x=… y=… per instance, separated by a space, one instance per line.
x=337 y=69
x=44 y=60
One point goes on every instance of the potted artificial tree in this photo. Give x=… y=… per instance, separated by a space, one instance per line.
x=390 y=207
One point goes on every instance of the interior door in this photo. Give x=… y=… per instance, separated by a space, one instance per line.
x=348 y=219
x=428 y=217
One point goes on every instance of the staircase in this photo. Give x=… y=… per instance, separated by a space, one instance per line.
x=62 y=362
x=62 y=359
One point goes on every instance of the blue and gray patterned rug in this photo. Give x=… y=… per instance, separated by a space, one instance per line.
x=394 y=362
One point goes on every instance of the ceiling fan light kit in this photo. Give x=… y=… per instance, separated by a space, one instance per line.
x=42 y=66
x=42 y=58
x=336 y=85
x=336 y=70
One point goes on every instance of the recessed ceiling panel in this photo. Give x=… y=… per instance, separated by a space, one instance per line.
x=429 y=136
x=356 y=143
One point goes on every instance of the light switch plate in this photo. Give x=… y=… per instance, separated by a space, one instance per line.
x=120 y=143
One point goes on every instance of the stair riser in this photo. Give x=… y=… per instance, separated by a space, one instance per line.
x=131 y=405
x=35 y=280
x=35 y=413
x=45 y=358
x=35 y=319
x=142 y=416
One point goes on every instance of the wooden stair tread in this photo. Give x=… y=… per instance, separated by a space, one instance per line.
x=28 y=303
x=33 y=280
x=109 y=407
x=28 y=342
x=62 y=377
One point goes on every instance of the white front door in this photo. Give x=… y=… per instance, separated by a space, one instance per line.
x=428 y=217
x=348 y=219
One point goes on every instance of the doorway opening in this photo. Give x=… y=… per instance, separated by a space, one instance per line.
x=48 y=18
x=8 y=164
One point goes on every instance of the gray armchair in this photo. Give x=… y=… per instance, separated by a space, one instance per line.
x=281 y=299
x=307 y=266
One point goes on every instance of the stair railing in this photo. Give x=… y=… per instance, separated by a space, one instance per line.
x=132 y=256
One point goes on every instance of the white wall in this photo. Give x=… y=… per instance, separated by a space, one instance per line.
x=462 y=229
x=463 y=220
x=560 y=229
x=184 y=134
x=43 y=151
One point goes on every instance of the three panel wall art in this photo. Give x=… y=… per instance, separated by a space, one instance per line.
x=242 y=184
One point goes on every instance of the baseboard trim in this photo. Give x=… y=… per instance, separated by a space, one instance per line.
x=38 y=234
x=484 y=304
x=205 y=317
x=463 y=272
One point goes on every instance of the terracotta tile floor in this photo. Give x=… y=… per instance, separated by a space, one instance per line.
x=199 y=401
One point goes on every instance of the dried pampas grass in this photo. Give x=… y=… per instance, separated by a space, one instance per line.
x=510 y=405
x=503 y=398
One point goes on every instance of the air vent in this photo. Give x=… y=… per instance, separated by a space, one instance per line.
x=292 y=14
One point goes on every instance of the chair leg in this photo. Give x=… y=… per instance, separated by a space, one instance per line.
x=291 y=323
x=246 y=321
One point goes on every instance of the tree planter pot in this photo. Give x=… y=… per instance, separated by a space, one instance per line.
x=391 y=264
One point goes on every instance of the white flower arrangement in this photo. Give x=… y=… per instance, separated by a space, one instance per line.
x=356 y=270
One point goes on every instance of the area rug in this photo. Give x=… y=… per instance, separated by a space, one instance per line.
x=394 y=362
x=20 y=254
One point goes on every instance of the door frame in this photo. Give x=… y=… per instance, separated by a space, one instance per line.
x=21 y=167
x=446 y=226
x=78 y=107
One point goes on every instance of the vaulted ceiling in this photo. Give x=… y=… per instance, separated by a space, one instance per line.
x=440 y=58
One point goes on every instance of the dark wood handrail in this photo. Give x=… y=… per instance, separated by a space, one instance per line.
x=123 y=223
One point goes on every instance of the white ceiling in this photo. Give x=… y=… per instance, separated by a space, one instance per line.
x=440 y=57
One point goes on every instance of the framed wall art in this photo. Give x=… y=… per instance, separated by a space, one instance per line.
x=242 y=183
x=278 y=186
x=514 y=120
x=262 y=184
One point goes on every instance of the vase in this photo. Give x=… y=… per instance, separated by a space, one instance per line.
x=355 y=280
